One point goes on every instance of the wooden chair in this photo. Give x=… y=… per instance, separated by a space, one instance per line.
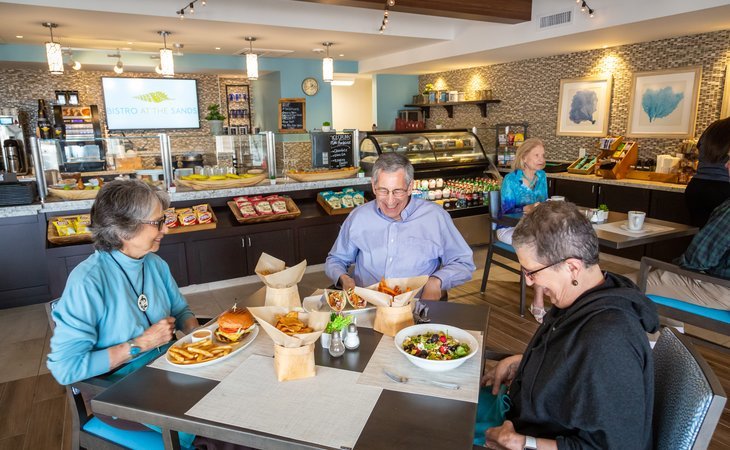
x=688 y=397
x=700 y=316
x=506 y=251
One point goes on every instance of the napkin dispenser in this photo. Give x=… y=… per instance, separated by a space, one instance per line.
x=667 y=163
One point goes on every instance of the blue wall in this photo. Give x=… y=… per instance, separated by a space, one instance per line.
x=392 y=92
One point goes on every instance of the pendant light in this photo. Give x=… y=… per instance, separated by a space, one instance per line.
x=252 y=61
x=119 y=66
x=328 y=64
x=167 y=64
x=54 y=53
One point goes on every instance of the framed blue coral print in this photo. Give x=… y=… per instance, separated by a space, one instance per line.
x=664 y=103
x=583 y=106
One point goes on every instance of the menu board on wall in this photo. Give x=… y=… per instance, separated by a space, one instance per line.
x=292 y=115
x=340 y=154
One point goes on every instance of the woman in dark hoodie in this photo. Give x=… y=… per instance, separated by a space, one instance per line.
x=586 y=379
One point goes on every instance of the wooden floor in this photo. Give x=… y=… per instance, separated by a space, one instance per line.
x=34 y=412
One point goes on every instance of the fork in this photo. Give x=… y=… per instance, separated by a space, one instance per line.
x=401 y=379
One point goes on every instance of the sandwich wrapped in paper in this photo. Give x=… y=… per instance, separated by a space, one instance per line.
x=281 y=282
x=394 y=299
x=294 y=333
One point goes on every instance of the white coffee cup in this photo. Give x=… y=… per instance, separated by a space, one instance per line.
x=636 y=220
x=557 y=198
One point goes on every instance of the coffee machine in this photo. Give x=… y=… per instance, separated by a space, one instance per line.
x=14 y=156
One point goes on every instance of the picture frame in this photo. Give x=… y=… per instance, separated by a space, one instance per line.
x=584 y=106
x=663 y=103
x=60 y=97
x=725 y=109
x=72 y=97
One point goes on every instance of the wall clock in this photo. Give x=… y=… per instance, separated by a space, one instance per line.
x=310 y=86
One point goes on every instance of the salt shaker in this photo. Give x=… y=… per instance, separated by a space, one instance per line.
x=337 y=348
x=352 y=340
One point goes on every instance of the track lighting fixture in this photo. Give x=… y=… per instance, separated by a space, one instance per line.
x=190 y=7
x=386 y=12
x=586 y=9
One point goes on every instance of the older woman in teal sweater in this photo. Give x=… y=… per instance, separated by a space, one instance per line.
x=523 y=189
x=122 y=301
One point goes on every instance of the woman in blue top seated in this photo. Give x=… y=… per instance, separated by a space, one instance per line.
x=523 y=189
x=122 y=301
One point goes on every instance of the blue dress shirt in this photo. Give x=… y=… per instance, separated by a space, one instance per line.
x=515 y=194
x=424 y=242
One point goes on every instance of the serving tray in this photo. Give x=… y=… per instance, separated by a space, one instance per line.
x=293 y=213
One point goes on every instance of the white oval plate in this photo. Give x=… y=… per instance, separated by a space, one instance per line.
x=237 y=347
x=626 y=228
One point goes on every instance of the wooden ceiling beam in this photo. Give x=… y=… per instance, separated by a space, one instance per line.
x=500 y=11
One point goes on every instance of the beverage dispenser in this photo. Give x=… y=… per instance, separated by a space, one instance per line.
x=14 y=156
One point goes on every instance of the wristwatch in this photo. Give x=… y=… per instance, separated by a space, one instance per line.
x=530 y=443
x=134 y=349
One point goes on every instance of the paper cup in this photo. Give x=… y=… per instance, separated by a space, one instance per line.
x=390 y=320
x=294 y=363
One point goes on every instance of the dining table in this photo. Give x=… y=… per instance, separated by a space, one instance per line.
x=398 y=418
x=612 y=234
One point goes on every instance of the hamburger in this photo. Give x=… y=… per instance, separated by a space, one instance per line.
x=234 y=324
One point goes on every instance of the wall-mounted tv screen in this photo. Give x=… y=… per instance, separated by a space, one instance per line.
x=150 y=103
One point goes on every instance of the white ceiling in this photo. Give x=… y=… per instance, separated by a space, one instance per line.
x=411 y=44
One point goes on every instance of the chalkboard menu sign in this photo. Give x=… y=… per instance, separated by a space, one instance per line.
x=292 y=115
x=340 y=154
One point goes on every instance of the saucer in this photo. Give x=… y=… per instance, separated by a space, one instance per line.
x=626 y=228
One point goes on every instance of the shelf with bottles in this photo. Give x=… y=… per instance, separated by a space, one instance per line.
x=509 y=136
x=238 y=104
x=456 y=193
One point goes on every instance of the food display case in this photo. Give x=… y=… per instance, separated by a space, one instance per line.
x=449 y=153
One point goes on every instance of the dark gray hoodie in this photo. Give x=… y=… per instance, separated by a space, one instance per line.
x=587 y=376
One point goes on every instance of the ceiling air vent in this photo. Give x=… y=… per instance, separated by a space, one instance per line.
x=554 y=20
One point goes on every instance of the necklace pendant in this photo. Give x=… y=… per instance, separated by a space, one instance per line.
x=142 y=303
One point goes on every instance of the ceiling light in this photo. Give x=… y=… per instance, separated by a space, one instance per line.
x=217 y=48
x=252 y=61
x=119 y=66
x=348 y=82
x=19 y=37
x=192 y=8
x=328 y=64
x=54 y=54
x=130 y=43
x=158 y=69
x=167 y=63
x=75 y=65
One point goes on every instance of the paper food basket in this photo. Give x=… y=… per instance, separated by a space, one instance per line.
x=393 y=313
x=293 y=355
x=281 y=282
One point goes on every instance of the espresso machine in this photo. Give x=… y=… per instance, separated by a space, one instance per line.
x=14 y=156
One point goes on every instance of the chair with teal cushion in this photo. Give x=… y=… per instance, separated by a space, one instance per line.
x=507 y=251
x=90 y=432
x=700 y=316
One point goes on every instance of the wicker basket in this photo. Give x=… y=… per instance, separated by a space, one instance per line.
x=231 y=183
x=334 y=174
x=54 y=238
x=293 y=213
x=74 y=194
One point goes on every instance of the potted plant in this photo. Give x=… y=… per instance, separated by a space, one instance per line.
x=337 y=322
x=326 y=126
x=602 y=212
x=429 y=93
x=215 y=119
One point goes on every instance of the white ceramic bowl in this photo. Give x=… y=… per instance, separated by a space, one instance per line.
x=433 y=365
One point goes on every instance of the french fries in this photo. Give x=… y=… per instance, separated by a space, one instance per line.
x=383 y=287
x=198 y=352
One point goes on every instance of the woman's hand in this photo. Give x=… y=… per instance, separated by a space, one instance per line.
x=157 y=335
x=503 y=373
x=528 y=208
x=504 y=437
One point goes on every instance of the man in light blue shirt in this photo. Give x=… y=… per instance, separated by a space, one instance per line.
x=396 y=236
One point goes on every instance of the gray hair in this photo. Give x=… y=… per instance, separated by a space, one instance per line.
x=523 y=150
x=119 y=207
x=393 y=162
x=557 y=230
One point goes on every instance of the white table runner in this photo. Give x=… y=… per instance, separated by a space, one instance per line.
x=262 y=345
x=329 y=409
x=386 y=356
x=649 y=229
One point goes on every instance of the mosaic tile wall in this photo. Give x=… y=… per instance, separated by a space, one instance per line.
x=21 y=89
x=529 y=90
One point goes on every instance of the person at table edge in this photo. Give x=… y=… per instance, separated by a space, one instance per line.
x=396 y=236
x=101 y=323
